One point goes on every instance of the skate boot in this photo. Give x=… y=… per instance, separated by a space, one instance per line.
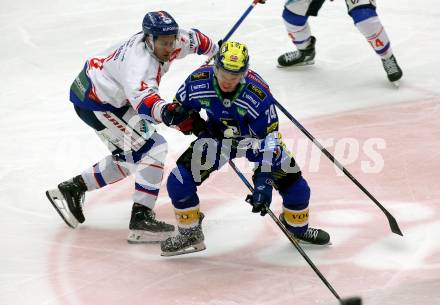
x=299 y=57
x=392 y=69
x=68 y=199
x=144 y=228
x=187 y=241
x=311 y=236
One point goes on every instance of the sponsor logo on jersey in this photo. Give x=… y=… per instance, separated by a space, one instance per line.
x=192 y=41
x=241 y=111
x=200 y=86
x=257 y=91
x=118 y=52
x=80 y=88
x=251 y=99
x=205 y=102
x=80 y=85
x=254 y=76
x=200 y=75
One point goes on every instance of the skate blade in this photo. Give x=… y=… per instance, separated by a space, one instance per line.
x=302 y=64
x=194 y=248
x=303 y=242
x=396 y=84
x=59 y=203
x=145 y=237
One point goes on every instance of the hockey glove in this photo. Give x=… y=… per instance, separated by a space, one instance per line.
x=199 y=126
x=174 y=114
x=262 y=195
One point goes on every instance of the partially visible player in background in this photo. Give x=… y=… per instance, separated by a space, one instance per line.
x=366 y=20
x=117 y=94
x=242 y=122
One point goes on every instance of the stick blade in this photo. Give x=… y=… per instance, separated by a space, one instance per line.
x=394 y=225
x=351 y=301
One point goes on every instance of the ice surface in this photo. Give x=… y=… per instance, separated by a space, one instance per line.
x=345 y=95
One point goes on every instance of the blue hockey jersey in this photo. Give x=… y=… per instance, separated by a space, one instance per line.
x=249 y=113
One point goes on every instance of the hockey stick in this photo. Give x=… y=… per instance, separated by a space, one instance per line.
x=349 y=301
x=240 y=20
x=391 y=220
x=236 y=25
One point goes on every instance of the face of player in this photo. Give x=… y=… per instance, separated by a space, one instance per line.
x=164 y=46
x=228 y=82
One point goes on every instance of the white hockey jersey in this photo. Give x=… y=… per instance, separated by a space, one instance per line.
x=129 y=73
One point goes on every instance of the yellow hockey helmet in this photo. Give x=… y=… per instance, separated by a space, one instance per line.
x=233 y=57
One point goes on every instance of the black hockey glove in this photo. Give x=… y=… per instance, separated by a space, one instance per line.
x=199 y=125
x=174 y=114
x=262 y=1
x=262 y=195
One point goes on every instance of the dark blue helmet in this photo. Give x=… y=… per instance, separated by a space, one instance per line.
x=159 y=23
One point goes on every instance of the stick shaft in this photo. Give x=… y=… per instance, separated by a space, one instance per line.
x=391 y=220
x=287 y=233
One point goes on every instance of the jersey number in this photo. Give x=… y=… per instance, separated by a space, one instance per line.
x=271 y=114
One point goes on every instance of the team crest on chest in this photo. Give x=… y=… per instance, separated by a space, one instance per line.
x=227 y=103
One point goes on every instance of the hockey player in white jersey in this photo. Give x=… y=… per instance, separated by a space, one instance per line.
x=117 y=94
x=366 y=20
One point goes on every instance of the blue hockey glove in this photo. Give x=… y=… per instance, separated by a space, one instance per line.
x=262 y=195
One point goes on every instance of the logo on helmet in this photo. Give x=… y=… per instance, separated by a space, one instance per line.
x=233 y=58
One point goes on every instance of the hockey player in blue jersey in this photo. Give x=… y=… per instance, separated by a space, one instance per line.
x=242 y=122
x=365 y=18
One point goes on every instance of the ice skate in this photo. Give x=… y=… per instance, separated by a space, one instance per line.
x=299 y=57
x=68 y=199
x=394 y=73
x=311 y=236
x=144 y=228
x=187 y=241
